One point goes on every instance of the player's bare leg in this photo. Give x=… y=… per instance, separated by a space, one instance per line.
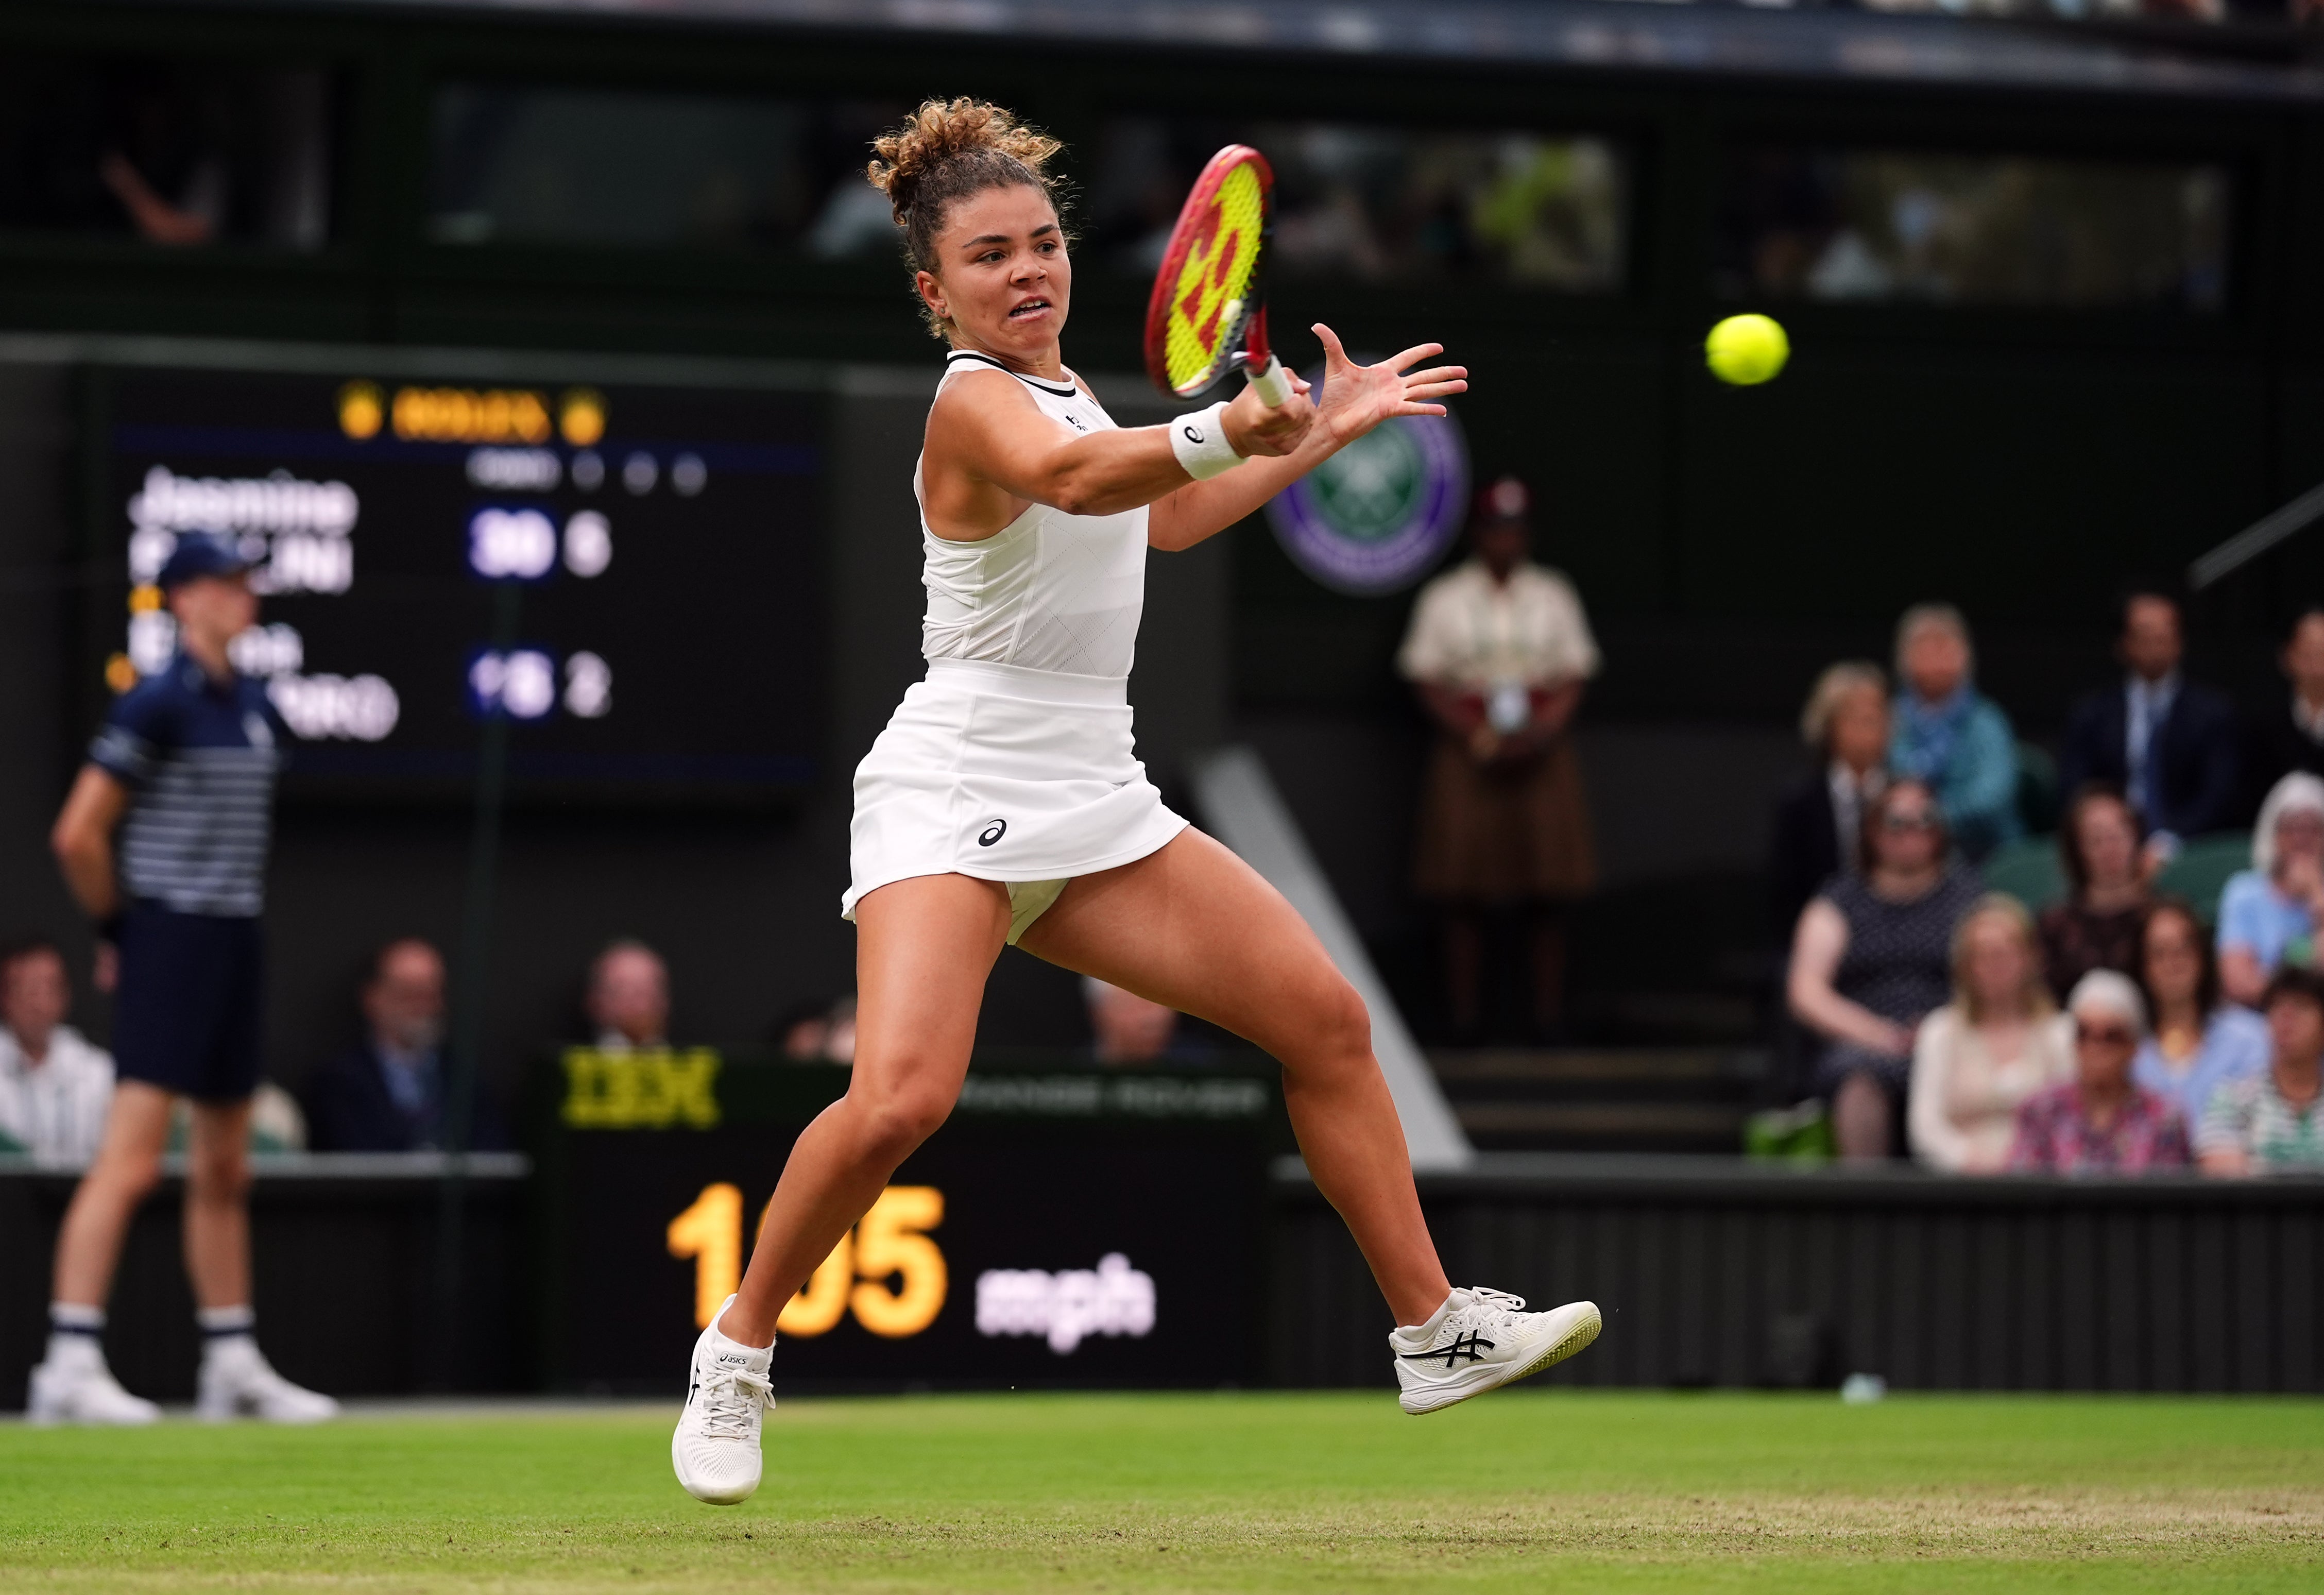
x=1194 y=927
x=924 y=948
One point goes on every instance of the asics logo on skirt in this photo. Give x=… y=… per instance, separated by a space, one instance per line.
x=992 y=833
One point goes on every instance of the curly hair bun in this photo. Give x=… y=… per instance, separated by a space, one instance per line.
x=912 y=159
x=946 y=151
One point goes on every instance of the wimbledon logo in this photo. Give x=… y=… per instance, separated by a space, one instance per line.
x=1376 y=516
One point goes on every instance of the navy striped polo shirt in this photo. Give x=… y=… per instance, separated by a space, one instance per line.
x=200 y=757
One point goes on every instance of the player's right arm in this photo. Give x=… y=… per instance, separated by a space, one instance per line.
x=82 y=840
x=991 y=452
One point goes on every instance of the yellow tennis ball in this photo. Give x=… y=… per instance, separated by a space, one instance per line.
x=1746 y=349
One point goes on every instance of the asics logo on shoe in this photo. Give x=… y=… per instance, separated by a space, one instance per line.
x=1465 y=1345
x=992 y=833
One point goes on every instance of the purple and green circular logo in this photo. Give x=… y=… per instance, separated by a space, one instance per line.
x=1376 y=516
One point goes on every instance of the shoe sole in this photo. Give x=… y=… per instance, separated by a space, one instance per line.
x=1576 y=1338
x=733 y=1499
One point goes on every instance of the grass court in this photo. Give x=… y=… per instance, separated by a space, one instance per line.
x=1530 y=1489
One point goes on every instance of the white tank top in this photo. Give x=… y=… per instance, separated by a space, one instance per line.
x=1049 y=591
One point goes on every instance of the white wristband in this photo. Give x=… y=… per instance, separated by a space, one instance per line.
x=1199 y=440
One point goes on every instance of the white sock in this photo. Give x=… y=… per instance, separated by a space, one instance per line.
x=226 y=1329
x=76 y=1332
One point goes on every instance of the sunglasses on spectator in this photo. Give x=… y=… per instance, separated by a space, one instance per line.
x=1910 y=819
x=2104 y=1035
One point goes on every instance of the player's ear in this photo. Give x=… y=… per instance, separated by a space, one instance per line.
x=932 y=293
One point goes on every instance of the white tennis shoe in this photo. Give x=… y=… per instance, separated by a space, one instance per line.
x=237 y=1382
x=1480 y=1340
x=74 y=1386
x=716 y=1449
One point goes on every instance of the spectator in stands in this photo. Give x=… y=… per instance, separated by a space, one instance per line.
x=2293 y=738
x=1820 y=815
x=55 y=1087
x=1870 y=960
x=1997 y=1043
x=2102 y=1121
x=2168 y=743
x=628 y=1002
x=2269 y=913
x=819 y=1032
x=2269 y=1122
x=1500 y=651
x=2106 y=874
x=2198 y=1042
x=1128 y=1029
x=1951 y=737
x=386 y=1094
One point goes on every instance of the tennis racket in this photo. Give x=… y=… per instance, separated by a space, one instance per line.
x=1206 y=318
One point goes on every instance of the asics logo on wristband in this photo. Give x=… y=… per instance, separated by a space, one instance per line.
x=1193 y=434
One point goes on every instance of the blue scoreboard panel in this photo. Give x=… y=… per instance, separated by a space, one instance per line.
x=666 y=544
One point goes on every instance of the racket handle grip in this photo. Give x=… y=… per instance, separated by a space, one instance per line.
x=1273 y=383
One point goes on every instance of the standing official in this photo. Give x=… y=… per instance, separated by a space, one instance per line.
x=1500 y=651
x=163 y=840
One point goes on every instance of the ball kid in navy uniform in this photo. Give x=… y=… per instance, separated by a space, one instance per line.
x=163 y=840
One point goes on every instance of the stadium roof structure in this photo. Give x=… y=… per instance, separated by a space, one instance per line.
x=1747 y=40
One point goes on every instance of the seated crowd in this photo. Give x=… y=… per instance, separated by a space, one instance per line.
x=2114 y=1032
x=390 y=1090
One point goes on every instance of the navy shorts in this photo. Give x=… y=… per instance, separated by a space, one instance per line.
x=186 y=1014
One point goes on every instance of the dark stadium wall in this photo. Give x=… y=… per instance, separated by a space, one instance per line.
x=744 y=906
x=36 y=638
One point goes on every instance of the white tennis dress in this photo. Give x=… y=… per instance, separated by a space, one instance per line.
x=1013 y=761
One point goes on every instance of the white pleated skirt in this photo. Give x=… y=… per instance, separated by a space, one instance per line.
x=1006 y=774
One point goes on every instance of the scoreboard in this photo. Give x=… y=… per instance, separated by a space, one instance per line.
x=1067 y=1226
x=666 y=543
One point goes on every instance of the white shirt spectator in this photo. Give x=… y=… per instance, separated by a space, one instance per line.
x=1470 y=630
x=55 y=1109
x=1964 y=1100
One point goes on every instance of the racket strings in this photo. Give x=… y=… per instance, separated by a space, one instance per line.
x=1210 y=299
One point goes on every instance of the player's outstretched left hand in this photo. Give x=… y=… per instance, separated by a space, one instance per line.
x=1358 y=398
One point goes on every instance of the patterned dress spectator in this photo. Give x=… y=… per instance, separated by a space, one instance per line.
x=2102 y=1121
x=1872 y=958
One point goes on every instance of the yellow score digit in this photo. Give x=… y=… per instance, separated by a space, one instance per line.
x=887 y=1241
x=711 y=1233
x=890 y=1242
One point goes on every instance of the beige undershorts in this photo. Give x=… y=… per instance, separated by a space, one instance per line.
x=1028 y=901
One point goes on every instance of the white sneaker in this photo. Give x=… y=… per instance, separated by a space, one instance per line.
x=716 y=1449
x=237 y=1382
x=1481 y=1339
x=74 y=1386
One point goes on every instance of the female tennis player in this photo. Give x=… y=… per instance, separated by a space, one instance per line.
x=1004 y=804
